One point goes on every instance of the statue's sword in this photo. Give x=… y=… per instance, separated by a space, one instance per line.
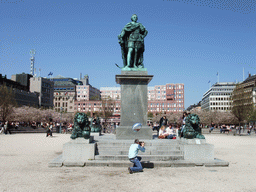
x=118 y=66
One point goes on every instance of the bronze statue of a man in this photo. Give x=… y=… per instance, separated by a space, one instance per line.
x=131 y=41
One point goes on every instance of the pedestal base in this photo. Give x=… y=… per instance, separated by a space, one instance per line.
x=127 y=133
x=198 y=150
x=77 y=152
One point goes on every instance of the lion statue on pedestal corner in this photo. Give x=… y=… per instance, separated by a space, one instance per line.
x=192 y=129
x=81 y=126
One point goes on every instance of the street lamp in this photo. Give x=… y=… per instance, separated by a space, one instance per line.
x=61 y=110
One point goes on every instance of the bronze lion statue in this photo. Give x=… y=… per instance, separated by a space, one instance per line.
x=95 y=124
x=81 y=126
x=192 y=129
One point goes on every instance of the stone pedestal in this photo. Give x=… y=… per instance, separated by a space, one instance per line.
x=95 y=133
x=197 y=150
x=134 y=104
x=78 y=151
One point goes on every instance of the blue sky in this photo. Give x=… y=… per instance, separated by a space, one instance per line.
x=188 y=41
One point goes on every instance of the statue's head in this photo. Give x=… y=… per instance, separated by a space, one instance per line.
x=193 y=119
x=134 y=17
x=80 y=118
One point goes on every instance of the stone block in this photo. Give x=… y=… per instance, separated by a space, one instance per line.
x=134 y=102
x=198 y=152
x=78 y=150
x=127 y=133
x=74 y=163
x=141 y=73
x=193 y=141
x=57 y=162
x=95 y=134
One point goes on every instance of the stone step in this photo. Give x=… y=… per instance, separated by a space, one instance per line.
x=144 y=157
x=147 y=145
x=154 y=164
x=149 y=148
x=147 y=152
x=129 y=142
x=58 y=162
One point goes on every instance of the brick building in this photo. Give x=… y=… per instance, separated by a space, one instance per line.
x=167 y=98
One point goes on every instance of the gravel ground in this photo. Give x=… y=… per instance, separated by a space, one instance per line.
x=24 y=167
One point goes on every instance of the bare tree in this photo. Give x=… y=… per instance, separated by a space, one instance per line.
x=7 y=102
x=242 y=106
x=107 y=109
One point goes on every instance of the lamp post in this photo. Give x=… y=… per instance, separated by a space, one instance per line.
x=61 y=110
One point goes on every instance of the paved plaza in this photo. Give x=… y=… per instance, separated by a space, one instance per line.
x=24 y=162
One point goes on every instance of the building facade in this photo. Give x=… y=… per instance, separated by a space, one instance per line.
x=69 y=92
x=165 y=99
x=218 y=97
x=110 y=92
x=245 y=93
x=45 y=88
x=89 y=100
x=21 y=92
x=23 y=79
x=65 y=93
x=87 y=92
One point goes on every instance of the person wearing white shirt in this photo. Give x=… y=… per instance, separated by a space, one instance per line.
x=170 y=132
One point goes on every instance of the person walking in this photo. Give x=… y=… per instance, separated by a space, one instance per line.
x=133 y=156
x=2 y=128
x=49 y=130
x=7 y=128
